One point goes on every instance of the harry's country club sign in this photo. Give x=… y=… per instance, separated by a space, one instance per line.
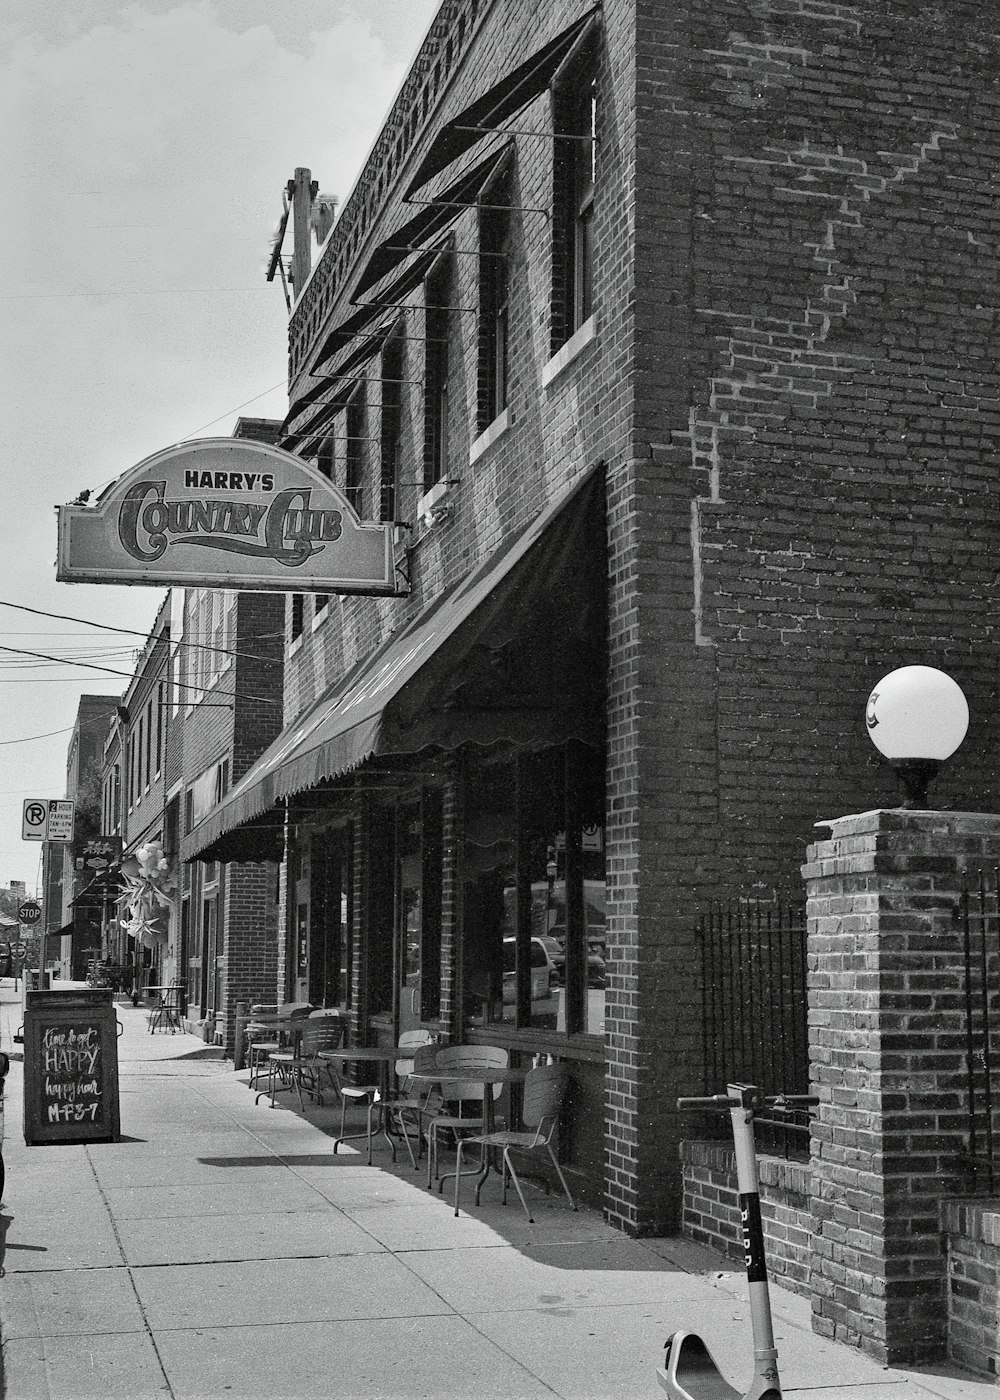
x=225 y=513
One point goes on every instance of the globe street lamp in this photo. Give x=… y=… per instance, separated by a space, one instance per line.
x=916 y=717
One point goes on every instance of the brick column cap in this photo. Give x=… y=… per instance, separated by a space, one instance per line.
x=852 y=844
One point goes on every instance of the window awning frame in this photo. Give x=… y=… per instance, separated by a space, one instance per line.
x=431 y=221
x=502 y=101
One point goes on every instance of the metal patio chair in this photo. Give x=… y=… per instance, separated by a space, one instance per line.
x=544 y=1090
x=301 y=1067
x=454 y=1096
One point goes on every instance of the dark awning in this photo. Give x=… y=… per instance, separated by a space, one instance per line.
x=508 y=96
x=514 y=653
x=432 y=220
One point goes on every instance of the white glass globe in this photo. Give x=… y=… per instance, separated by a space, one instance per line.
x=917 y=712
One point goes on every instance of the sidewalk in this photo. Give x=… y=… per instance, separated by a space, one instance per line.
x=219 y=1249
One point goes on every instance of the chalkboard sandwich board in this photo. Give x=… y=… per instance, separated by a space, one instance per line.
x=70 y=1066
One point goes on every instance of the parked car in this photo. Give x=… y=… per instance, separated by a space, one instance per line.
x=543 y=972
x=555 y=942
x=556 y=949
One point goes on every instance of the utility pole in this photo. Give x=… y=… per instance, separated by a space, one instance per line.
x=301 y=192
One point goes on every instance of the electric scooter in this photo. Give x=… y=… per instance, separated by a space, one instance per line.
x=690 y=1373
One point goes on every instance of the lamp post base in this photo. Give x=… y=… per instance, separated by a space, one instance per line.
x=915 y=774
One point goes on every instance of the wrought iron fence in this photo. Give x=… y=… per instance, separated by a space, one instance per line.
x=980 y=913
x=755 y=1015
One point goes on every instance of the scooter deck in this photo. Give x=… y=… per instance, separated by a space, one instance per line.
x=691 y=1374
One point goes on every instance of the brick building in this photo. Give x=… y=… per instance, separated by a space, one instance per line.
x=666 y=334
x=204 y=702
x=226 y=669
x=72 y=922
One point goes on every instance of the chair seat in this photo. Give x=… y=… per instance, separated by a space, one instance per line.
x=448 y=1120
x=508 y=1139
x=358 y=1091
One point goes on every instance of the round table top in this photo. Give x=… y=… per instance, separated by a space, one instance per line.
x=473 y=1074
x=371 y=1053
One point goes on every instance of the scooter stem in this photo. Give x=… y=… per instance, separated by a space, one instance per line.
x=748 y=1185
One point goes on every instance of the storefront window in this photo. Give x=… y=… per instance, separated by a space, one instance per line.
x=410 y=916
x=544 y=967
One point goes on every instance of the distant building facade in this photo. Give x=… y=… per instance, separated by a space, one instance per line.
x=71 y=922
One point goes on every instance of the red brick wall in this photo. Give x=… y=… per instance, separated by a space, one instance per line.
x=973 y=1234
x=712 y=1213
x=887 y=1036
x=793 y=384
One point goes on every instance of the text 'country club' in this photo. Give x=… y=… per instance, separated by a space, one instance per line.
x=286 y=529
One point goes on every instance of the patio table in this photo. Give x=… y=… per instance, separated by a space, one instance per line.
x=488 y=1076
x=384 y=1056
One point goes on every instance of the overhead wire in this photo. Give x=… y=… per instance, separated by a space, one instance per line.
x=134 y=632
x=129 y=675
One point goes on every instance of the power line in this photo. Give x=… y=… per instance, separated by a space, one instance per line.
x=150 y=292
x=29 y=738
x=129 y=675
x=133 y=632
x=282 y=385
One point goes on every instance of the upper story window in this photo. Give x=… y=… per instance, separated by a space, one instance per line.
x=212 y=626
x=298 y=610
x=494 y=302
x=354 y=456
x=325 y=457
x=575 y=112
x=149 y=741
x=161 y=723
x=436 y=374
x=391 y=426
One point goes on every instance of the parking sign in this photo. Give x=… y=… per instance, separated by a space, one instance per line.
x=34 y=819
x=60 y=821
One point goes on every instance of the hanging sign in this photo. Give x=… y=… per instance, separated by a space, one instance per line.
x=225 y=513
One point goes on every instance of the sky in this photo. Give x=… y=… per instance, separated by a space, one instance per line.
x=143 y=152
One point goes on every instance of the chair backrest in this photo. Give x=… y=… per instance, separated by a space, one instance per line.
x=458 y=1057
x=544 y=1090
x=411 y=1041
x=320 y=1033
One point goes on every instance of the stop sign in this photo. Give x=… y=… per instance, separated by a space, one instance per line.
x=29 y=912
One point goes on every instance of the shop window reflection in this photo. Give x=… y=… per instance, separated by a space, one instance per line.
x=521 y=815
x=411 y=924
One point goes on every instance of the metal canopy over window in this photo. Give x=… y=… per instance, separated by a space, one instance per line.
x=503 y=100
x=515 y=653
x=330 y=407
x=343 y=334
x=431 y=221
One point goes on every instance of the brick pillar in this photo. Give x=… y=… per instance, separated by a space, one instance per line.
x=886 y=1026
x=250 y=939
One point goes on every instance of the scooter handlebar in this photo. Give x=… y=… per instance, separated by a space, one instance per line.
x=713 y=1101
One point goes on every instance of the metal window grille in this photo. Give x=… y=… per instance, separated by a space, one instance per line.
x=753 y=954
x=980 y=919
